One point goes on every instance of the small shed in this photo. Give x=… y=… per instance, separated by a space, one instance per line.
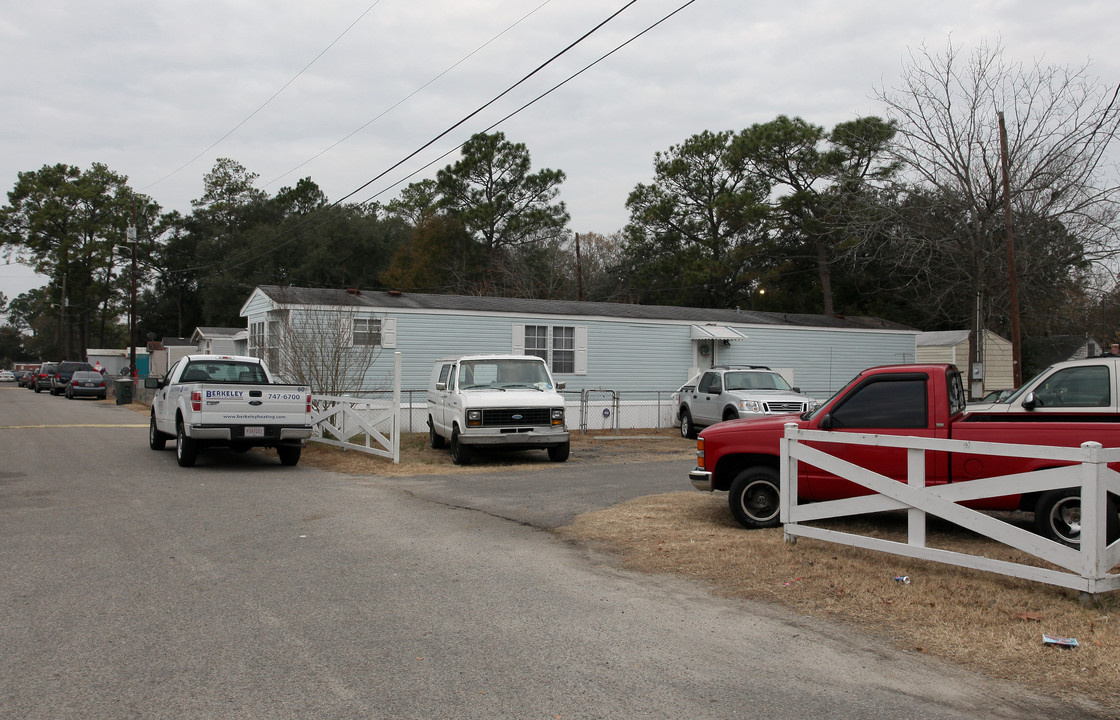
x=165 y=352
x=996 y=370
x=217 y=340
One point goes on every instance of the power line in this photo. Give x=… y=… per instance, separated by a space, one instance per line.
x=227 y=261
x=317 y=213
x=266 y=102
x=406 y=98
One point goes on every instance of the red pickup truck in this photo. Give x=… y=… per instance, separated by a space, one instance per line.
x=742 y=456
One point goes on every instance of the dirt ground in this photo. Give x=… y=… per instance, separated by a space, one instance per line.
x=986 y=622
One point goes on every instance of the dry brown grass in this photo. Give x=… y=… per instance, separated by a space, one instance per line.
x=986 y=622
x=989 y=623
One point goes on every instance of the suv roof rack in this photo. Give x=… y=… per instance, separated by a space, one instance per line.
x=739 y=367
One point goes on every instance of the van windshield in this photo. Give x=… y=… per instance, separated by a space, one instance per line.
x=503 y=374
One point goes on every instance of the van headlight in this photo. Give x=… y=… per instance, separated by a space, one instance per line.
x=474 y=418
x=557 y=416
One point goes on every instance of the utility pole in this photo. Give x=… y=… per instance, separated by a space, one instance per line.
x=1012 y=285
x=130 y=235
x=579 y=272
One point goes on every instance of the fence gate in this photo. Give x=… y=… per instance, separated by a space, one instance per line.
x=599 y=410
x=367 y=425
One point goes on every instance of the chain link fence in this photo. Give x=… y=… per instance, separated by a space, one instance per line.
x=586 y=411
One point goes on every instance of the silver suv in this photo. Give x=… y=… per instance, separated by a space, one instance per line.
x=733 y=391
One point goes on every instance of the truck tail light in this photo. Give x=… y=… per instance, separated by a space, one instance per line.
x=308 y=402
x=196 y=401
x=700 y=453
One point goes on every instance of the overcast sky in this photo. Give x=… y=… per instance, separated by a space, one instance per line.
x=153 y=89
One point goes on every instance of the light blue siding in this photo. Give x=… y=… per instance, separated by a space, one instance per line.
x=633 y=355
x=629 y=354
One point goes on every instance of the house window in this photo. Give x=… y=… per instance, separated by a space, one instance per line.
x=273 y=337
x=555 y=345
x=536 y=341
x=256 y=339
x=367 y=331
x=564 y=350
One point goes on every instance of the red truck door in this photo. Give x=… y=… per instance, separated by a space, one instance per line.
x=895 y=403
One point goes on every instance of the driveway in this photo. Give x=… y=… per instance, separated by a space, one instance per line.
x=243 y=589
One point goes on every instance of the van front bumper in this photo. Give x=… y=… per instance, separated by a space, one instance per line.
x=524 y=438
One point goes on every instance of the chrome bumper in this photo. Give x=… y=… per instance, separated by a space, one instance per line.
x=701 y=479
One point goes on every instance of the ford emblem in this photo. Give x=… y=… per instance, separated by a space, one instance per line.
x=518 y=417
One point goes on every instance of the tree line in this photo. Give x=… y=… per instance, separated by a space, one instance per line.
x=900 y=216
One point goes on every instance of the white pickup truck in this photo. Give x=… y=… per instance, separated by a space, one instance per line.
x=228 y=401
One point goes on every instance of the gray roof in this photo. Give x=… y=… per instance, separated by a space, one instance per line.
x=394 y=300
x=216 y=332
x=942 y=338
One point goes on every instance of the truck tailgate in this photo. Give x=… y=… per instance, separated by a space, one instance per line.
x=246 y=404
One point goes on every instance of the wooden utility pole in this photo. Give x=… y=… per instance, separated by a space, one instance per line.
x=1012 y=285
x=579 y=272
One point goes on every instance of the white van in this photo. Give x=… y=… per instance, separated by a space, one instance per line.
x=497 y=401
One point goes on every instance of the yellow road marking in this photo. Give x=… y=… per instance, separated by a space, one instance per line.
x=27 y=427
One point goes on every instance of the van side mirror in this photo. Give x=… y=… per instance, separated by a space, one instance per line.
x=441 y=386
x=561 y=385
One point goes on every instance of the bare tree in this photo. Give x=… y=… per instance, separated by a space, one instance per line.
x=1061 y=125
x=330 y=349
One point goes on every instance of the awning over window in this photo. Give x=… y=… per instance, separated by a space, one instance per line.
x=716 y=332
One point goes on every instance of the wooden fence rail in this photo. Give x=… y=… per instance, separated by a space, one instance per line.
x=1085 y=568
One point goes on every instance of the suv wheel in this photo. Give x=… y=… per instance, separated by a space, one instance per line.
x=688 y=429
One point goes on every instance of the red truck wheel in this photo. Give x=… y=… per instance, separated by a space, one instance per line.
x=1058 y=516
x=754 y=497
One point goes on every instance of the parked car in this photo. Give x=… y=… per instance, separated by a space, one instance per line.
x=21 y=377
x=737 y=391
x=7 y=376
x=86 y=383
x=43 y=377
x=60 y=380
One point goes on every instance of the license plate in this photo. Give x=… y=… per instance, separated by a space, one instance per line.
x=89 y=384
x=254 y=432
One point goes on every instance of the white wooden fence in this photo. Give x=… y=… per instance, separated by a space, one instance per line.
x=369 y=425
x=1086 y=569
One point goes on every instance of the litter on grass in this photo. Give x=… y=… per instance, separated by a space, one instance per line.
x=1061 y=642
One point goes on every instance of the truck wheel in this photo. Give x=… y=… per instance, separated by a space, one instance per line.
x=156 y=439
x=289 y=454
x=560 y=452
x=460 y=453
x=754 y=497
x=186 y=449
x=1058 y=516
x=435 y=441
x=688 y=430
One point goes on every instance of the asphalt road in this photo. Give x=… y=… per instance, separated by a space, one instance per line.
x=132 y=588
